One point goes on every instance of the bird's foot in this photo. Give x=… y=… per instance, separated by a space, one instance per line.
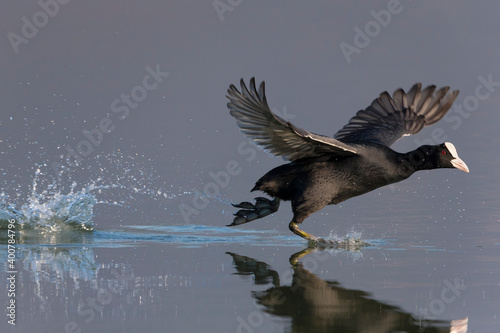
x=321 y=242
x=348 y=244
x=317 y=242
x=250 y=212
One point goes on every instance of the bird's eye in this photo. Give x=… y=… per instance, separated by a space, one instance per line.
x=443 y=152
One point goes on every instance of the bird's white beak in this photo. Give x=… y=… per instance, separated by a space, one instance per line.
x=459 y=164
x=456 y=161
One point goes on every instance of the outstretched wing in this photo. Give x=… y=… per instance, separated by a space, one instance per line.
x=388 y=118
x=273 y=133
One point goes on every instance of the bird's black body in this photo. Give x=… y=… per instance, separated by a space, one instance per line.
x=313 y=183
x=333 y=179
x=324 y=170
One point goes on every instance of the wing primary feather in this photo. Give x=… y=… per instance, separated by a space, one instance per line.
x=425 y=98
x=276 y=135
x=388 y=118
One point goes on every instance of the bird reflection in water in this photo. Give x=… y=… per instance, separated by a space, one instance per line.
x=317 y=305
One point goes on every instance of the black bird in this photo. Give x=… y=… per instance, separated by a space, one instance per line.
x=316 y=305
x=326 y=171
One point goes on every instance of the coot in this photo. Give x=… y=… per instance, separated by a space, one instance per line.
x=324 y=170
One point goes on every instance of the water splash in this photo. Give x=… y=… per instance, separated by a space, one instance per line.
x=52 y=205
x=50 y=210
x=351 y=241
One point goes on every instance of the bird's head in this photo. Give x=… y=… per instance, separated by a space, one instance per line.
x=439 y=156
x=450 y=159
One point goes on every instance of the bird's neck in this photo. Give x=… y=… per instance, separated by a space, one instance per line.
x=418 y=159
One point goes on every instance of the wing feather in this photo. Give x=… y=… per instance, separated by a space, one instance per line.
x=388 y=118
x=275 y=134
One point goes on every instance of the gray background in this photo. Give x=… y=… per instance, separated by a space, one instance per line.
x=64 y=79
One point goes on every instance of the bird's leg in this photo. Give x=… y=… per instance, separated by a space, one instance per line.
x=294 y=227
x=262 y=207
